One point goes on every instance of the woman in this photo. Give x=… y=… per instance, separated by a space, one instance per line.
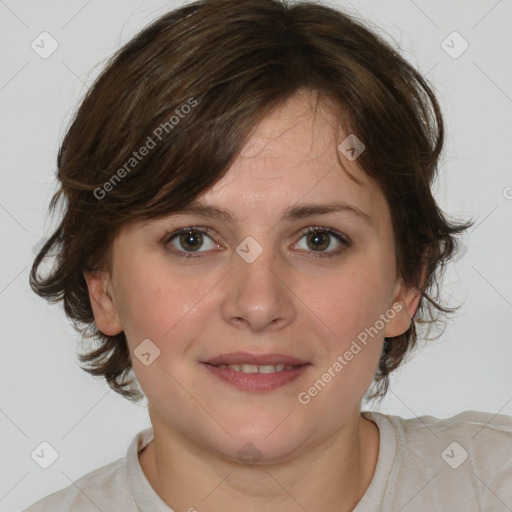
x=250 y=232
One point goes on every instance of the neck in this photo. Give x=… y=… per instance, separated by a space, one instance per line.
x=332 y=475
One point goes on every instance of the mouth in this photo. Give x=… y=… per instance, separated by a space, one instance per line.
x=245 y=358
x=251 y=372
x=254 y=368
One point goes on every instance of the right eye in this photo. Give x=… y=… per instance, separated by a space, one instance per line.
x=185 y=242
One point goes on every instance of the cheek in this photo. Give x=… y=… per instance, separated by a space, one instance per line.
x=146 y=301
x=167 y=307
x=352 y=301
x=350 y=309
x=153 y=306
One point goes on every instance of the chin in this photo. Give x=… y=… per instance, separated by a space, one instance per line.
x=262 y=442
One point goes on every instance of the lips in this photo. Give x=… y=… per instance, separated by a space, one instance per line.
x=256 y=372
x=241 y=358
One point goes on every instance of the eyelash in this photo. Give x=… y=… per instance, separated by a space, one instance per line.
x=343 y=239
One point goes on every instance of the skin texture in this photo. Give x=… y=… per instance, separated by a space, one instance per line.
x=318 y=456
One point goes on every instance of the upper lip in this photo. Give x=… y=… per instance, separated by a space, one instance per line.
x=256 y=359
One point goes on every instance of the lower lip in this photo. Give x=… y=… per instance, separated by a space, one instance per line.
x=257 y=381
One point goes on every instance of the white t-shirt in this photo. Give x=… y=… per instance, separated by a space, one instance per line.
x=458 y=464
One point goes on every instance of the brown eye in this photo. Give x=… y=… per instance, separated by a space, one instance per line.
x=319 y=239
x=191 y=240
x=187 y=241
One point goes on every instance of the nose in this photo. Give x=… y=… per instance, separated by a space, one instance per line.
x=258 y=297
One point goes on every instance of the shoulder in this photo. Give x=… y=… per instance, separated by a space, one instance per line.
x=471 y=451
x=105 y=486
x=479 y=433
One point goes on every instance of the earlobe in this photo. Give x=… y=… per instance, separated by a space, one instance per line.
x=405 y=305
x=102 y=302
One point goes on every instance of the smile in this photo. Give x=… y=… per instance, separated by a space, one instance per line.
x=253 y=368
x=256 y=377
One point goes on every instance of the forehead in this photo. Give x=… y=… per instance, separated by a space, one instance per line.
x=293 y=157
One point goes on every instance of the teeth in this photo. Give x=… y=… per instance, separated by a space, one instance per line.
x=270 y=368
x=253 y=368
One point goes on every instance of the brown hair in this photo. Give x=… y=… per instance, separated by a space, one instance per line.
x=231 y=62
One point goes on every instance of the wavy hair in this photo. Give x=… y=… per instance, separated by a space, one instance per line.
x=231 y=62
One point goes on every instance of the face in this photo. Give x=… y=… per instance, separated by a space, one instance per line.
x=261 y=287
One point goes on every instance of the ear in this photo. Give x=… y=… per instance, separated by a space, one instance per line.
x=405 y=303
x=102 y=302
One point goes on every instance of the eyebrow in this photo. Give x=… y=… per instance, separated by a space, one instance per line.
x=295 y=212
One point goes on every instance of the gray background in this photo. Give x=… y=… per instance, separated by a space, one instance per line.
x=44 y=394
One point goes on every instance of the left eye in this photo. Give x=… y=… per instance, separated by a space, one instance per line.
x=192 y=239
x=320 y=239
